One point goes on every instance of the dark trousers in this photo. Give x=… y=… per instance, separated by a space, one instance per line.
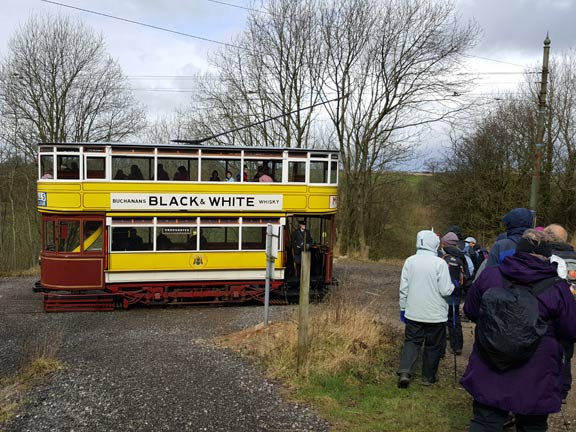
x=454 y=325
x=433 y=337
x=489 y=419
x=568 y=348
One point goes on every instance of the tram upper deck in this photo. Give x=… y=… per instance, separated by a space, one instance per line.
x=96 y=177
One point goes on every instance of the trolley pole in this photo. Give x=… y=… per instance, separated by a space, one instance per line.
x=303 y=309
x=539 y=145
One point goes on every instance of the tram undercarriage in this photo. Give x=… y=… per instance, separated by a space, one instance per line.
x=124 y=296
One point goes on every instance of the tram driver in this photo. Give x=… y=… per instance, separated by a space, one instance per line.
x=301 y=240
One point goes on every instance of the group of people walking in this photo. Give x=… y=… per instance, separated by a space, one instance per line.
x=520 y=297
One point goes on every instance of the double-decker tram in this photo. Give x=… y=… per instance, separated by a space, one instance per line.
x=179 y=223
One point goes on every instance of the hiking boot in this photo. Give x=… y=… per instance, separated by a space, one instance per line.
x=510 y=422
x=428 y=382
x=403 y=380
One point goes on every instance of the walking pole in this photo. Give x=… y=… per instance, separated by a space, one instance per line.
x=454 y=332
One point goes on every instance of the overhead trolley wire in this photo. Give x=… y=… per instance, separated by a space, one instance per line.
x=143 y=24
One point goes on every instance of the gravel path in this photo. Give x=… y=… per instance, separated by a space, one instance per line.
x=141 y=370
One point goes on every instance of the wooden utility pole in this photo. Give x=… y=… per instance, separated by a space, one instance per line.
x=303 y=309
x=539 y=144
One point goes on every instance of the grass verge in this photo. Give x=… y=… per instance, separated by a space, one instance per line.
x=350 y=374
x=39 y=361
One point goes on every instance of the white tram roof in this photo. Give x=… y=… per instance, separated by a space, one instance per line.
x=194 y=146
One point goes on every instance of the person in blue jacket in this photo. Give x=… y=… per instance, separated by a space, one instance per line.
x=516 y=222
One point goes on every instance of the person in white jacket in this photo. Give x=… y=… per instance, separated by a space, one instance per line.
x=425 y=287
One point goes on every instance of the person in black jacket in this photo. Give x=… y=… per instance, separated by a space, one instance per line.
x=456 y=261
x=301 y=240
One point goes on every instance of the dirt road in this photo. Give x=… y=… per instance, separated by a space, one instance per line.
x=141 y=370
x=155 y=370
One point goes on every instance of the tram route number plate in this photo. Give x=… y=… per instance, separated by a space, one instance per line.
x=42 y=199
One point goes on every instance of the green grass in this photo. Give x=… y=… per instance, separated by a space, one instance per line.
x=355 y=405
x=12 y=388
x=350 y=376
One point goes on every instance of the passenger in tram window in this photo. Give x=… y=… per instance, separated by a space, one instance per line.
x=48 y=174
x=192 y=242
x=163 y=242
x=244 y=174
x=215 y=176
x=135 y=242
x=120 y=175
x=264 y=177
x=162 y=174
x=229 y=177
x=135 y=173
x=120 y=239
x=182 y=174
x=259 y=173
x=74 y=169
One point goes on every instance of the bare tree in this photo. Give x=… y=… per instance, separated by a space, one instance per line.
x=487 y=171
x=394 y=66
x=275 y=71
x=58 y=84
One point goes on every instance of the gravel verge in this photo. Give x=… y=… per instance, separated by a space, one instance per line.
x=142 y=370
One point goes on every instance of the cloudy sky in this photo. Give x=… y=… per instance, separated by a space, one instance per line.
x=159 y=64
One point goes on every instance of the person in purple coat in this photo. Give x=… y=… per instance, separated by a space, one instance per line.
x=533 y=390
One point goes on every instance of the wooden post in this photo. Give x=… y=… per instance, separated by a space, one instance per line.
x=303 y=311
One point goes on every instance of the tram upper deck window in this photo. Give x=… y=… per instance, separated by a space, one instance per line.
x=68 y=167
x=296 y=172
x=318 y=172
x=333 y=172
x=216 y=169
x=46 y=167
x=95 y=167
x=177 y=169
x=264 y=167
x=132 y=168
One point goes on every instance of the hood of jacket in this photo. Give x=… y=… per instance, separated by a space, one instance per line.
x=454 y=251
x=517 y=221
x=526 y=268
x=427 y=241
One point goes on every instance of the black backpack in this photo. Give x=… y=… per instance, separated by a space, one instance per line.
x=509 y=326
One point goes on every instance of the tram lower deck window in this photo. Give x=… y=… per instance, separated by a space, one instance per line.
x=131 y=238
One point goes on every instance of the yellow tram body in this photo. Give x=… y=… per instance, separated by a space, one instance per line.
x=199 y=240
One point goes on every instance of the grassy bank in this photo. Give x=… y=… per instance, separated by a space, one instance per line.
x=350 y=374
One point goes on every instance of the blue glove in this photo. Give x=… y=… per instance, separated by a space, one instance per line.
x=402 y=316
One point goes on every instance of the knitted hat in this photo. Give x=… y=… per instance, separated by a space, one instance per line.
x=450 y=239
